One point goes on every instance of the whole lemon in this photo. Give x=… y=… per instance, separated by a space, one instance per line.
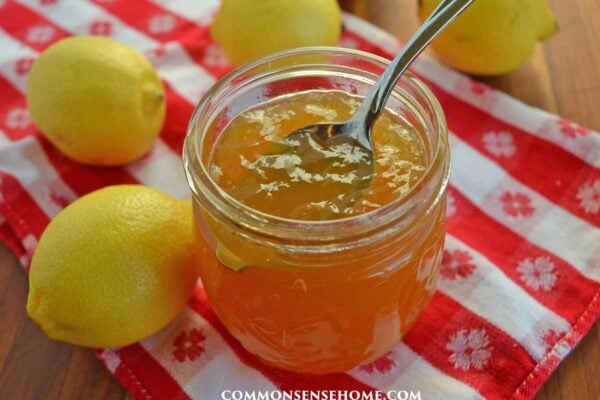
x=492 y=37
x=113 y=267
x=248 y=29
x=98 y=101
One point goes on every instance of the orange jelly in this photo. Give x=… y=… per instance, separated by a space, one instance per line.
x=300 y=177
x=317 y=258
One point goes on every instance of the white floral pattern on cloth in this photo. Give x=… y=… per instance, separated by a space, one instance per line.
x=571 y=129
x=189 y=345
x=516 y=204
x=538 y=273
x=18 y=118
x=457 y=263
x=589 y=197
x=101 y=28
x=23 y=65
x=163 y=23
x=40 y=34
x=470 y=349
x=214 y=56
x=500 y=144
x=48 y=2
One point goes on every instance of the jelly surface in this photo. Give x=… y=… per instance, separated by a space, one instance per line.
x=300 y=177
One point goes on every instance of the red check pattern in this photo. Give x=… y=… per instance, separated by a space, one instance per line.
x=519 y=285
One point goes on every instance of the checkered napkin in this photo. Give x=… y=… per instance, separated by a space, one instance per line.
x=519 y=282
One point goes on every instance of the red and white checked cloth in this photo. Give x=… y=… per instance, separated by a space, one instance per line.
x=519 y=283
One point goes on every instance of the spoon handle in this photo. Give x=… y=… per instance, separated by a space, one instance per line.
x=442 y=4
x=376 y=99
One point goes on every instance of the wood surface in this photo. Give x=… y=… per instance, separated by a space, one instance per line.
x=563 y=76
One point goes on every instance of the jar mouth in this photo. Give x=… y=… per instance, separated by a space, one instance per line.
x=278 y=228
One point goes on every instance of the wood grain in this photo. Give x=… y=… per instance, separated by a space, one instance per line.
x=35 y=367
x=563 y=76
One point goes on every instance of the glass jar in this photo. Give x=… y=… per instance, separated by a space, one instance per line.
x=319 y=296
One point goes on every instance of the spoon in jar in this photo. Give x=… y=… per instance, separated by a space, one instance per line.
x=338 y=159
x=357 y=131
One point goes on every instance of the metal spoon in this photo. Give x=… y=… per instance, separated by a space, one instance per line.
x=343 y=153
x=357 y=130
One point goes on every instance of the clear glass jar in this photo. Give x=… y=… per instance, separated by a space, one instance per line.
x=319 y=296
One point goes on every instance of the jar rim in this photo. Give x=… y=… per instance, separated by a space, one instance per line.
x=268 y=225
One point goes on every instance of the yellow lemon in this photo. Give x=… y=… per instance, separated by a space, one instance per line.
x=492 y=37
x=114 y=267
x=248 y=29
x=98 y=101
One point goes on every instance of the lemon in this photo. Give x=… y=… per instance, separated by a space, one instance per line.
x=248 y=29
x=113 y=267
x=98 y=101
x=492 y=37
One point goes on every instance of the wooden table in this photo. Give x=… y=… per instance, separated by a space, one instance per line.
x=563 y=76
